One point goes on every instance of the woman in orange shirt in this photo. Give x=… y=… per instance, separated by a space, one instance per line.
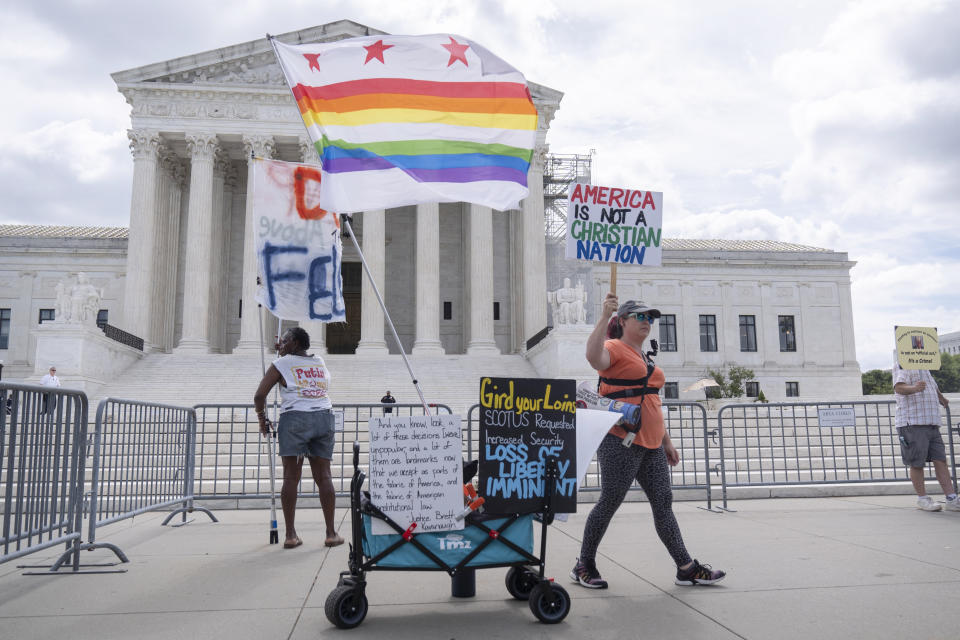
x=627 y=374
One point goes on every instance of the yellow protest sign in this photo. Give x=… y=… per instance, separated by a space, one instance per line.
x=918 y=348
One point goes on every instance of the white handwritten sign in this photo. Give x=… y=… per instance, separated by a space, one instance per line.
x=298 y=244
x=416 y=474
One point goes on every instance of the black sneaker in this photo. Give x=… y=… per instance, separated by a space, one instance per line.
x=586 y=575
x=698 y=574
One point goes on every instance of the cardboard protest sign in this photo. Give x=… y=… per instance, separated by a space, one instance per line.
x=609 y=224
x=523 y=421
x=416 y=473
x=918 y=348
x=297 y=243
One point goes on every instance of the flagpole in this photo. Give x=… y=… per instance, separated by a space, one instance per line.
x=393 y=330
x=366 y=269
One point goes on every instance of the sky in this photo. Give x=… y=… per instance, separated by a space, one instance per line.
x=825 y=123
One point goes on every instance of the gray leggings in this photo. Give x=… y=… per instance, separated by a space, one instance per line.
x=619 y=467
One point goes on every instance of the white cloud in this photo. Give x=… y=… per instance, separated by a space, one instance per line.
x=87 y=153
x=23 y=38
x=756 y=224
x=888 y=291
x=824 y=123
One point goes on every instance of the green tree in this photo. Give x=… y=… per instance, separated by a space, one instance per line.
x=877 y=382
x=948 y=376
x=731 y=383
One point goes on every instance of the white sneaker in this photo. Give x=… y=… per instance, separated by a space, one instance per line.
x=953 y=505
x=927 y=504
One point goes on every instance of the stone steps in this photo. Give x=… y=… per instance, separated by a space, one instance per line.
x=187 y=380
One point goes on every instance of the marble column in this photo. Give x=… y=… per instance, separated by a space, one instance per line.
x=145 y=146
x=533 y=268
x=728 y=327
x=316 y=329
x=801 y=325
x=167 y=231
x=261 y=147
x=688 y=326
x=427 y=275
x=479 y=281
x=846 y=325
x=215 y=314
x=22 y=319
x=371 y=314
x=225 y=308
x=196 y=287
x=768 y=342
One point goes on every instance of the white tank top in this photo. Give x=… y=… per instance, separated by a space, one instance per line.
x=307 y=380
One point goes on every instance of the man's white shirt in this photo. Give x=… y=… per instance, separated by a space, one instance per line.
x=50 y=381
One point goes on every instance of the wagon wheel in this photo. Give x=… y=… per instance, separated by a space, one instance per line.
x=550 y=603
x=520 y=582
x=346 y=607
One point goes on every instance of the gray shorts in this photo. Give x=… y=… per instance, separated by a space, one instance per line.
x=307 y=433
x=920 y=444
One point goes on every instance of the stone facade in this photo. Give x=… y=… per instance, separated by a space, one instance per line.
x=950 y=342
x=458 y=279
x=197 y=120
x=33 y=260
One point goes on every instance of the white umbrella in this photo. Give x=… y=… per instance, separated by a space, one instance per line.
x=702 y=384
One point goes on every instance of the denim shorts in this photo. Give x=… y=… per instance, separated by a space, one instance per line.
x=920 y=444
x=307 y=433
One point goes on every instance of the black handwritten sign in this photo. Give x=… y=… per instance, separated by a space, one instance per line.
x=524 y=421
x=416 y=472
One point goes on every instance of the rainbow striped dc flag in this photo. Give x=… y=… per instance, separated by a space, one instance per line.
x=401 y=120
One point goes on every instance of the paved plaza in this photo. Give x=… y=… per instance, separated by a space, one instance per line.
x=846 y=567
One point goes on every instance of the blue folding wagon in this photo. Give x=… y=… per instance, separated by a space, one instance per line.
x=487 y=541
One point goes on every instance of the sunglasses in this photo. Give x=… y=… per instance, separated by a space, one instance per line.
x=641 y=317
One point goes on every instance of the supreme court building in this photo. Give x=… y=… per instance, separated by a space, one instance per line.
x=459 y=279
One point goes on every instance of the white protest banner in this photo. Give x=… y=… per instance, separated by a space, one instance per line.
x=609 y=224
x=592 y=426
x=297 y=244
x=416 y=473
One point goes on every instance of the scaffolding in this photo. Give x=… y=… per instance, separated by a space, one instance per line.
x=560 y=170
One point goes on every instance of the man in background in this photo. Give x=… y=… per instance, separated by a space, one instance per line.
x=51 y=380
x=918 y=427
x=388 y=399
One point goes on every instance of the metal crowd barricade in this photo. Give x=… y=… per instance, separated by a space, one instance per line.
x=686 y=422
x=784 y=444
x=232 y=458
x=143 y=460
x=42 y=438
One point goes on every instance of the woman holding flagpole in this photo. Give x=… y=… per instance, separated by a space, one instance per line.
x=306 y=430
x=640 y=452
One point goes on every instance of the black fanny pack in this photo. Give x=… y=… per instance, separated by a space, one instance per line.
x=639 y=387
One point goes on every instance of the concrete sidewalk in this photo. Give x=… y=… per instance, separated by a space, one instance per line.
x=855 y=567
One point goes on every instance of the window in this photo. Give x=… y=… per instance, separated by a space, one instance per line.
x=753 y=389
x=496 y=310
x=102 y=317
x=748 y=333
x=447 y=310
x=708 y=333
x=788 y=335
x=4 y=328
x=671 y=391
x=793 y=389
x=668 y=332
x=46 y=315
